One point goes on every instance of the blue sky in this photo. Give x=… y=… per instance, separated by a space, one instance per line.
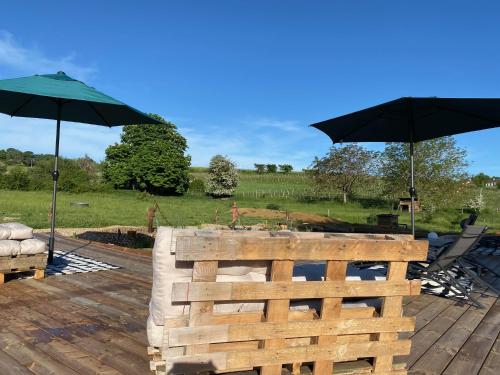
x=246 y=78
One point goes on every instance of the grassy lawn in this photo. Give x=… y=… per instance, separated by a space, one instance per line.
x=129 y=208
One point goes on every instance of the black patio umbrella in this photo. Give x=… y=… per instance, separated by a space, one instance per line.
x=62 y=98
x=412 y=119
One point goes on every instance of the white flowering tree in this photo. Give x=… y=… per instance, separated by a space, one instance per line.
x=222 y=177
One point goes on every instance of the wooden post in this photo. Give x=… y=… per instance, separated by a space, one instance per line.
x=151 y=218
x=277 y=310
x=391 y=307
x=39 y=274
x=330 y=310
x=202 y=271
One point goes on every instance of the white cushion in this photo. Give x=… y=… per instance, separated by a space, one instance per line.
x=32 y=246
x=9 y=247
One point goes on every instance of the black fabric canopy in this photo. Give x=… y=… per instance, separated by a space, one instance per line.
x=414 y=119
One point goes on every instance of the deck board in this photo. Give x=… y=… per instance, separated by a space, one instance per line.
x=95 y=323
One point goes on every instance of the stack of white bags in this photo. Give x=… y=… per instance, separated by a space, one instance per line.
x=17 y=239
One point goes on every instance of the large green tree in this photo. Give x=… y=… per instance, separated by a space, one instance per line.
x=344 y=167
x=439 y=171
x=149 y=158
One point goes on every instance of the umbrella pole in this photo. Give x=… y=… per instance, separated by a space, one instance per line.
x=55 y=177
x=412 y=190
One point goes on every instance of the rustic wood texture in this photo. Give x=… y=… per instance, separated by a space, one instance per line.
x=111 y=307
x=296 y=248
x=243 y=291
x=330 y=310
x=279 y=335
x=23 y=263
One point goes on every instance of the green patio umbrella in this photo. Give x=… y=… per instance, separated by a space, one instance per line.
x=62 y=98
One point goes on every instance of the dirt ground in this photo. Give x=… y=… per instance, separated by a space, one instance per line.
x=295 y=216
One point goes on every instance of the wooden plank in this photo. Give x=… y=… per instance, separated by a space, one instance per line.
x=10 y=366
x=245 y=291
x=270 y=330
x=340 y=352
x=23 y=262
x=427 y=336
x=277 y=311
x=258 y=316
x=391 y=308
x=206 y=272
x=330 y=309
x=475 y=351
x=490 y=365
x=283 y=248
x=438 y=356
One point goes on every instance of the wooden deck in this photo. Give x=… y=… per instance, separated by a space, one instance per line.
x=95 y=323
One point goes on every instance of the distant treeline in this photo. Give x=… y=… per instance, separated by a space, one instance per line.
x=25 y=170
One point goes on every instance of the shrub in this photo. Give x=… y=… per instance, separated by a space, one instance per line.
x=273 y=206
x=16 y=179
x=72 y=177
x=197 y=185
x=222 y=177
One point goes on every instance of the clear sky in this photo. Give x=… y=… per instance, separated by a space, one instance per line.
x=246 y=78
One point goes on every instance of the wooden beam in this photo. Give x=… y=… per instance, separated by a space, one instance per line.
x=283 y=248
x=330 y=309
x=391 y=308
x=272 y=330
x=277 y=311
x=246 y=291
x=223 y=361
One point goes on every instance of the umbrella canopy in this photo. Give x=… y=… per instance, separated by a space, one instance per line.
x=410 y=120
x=62 y=98
x=40 y=96
x=413 y=119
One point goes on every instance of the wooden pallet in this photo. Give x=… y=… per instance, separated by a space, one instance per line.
x=23 y=263
x=336 y=340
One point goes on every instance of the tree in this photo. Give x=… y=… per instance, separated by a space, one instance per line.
x=260 y=168
x=285 y=168
x=344 y=167
x=222 y=177
x=439 y=171
x=271 y=168
x=480 y=179
x=149 y=158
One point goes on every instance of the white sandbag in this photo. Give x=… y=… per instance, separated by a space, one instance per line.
x=18 y=231
x=9 y=247
x=4 y=232
x=32 y=246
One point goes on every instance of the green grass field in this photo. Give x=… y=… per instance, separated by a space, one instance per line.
x=255 y=191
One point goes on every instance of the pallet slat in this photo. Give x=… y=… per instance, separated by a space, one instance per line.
x=283 y=248
x=271 y=330
x=247 y=291
x=224 y=361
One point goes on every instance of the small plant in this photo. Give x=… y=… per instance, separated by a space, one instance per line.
x=371 y=219
x=273 y=206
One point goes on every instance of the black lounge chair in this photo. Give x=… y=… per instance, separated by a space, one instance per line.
x=441 y=270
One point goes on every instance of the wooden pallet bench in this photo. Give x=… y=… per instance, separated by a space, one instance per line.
x=23 y=263
x=333 y=340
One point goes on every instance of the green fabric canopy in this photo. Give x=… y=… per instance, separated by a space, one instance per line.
x=38 y=96
x=62 y=98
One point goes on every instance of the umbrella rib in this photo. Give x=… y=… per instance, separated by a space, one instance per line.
x=380 y=115
x=98 y=114
x=22 y=105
